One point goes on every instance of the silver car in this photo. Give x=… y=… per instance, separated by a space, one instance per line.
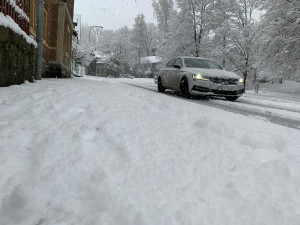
x=199 y=76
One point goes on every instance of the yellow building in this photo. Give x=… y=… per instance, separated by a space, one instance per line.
x=58 y=28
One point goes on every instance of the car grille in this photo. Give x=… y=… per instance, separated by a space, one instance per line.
x=223 y=81
x=201 y=89
x=228 y=92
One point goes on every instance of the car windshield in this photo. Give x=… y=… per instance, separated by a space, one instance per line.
x=201 y=63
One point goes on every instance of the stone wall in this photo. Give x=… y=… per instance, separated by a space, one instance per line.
x=17 y=58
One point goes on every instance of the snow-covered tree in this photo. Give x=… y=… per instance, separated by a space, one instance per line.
x=220 y=23
x=121 y=49
x=243 y=37
x=188 y=29
x=280 y=51
x=82 y=52
x=163 y=10
x=140 y=37
x=193 y=24
x=152 y=39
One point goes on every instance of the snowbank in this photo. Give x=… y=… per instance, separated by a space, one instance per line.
x=82 y=151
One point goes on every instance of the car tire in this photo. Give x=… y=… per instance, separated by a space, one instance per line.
x=231 y=98
x=160 y=87
x=184 y=88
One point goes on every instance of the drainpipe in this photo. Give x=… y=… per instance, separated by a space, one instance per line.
x=39 y=40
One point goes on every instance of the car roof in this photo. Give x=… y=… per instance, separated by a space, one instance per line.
x=192 y=57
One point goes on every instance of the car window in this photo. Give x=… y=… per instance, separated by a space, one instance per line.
x=178 y=61
x=201 y=63
x=170 y=63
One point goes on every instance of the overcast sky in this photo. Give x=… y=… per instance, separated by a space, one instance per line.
x=113 y=14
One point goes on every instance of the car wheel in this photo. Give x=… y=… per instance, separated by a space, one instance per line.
x=184 y=88
x=160 y=87
x=230 y=98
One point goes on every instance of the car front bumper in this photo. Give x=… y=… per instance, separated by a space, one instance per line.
x=208 y=88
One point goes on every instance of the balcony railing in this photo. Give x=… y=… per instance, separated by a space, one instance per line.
x=18 y=10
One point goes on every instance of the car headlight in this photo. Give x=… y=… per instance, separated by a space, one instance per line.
x=199 y=77
x=241 y=80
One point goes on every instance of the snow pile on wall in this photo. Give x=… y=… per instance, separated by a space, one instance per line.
x=19 y=10
x=8 y=22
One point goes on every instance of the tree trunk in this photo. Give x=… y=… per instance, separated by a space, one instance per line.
x=245 y=78
x=224 y=46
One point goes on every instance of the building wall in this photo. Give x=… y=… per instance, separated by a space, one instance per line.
x=58 y=27
x=101 y=70
x=92 y=68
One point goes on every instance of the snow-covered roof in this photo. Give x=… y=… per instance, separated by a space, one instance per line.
x=97 y=54
x=101 y=57
x=151 y=59
x=103 y=60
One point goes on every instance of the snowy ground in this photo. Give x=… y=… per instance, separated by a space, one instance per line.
x=277 y=103
x=98 y=151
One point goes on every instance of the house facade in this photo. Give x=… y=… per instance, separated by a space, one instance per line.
x=102 y=66
x=147 y=67
x=99 y=68
x=57 y=36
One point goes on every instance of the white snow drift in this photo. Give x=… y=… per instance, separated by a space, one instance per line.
x=80 y=151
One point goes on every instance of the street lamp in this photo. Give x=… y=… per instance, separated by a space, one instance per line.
x=91 y=29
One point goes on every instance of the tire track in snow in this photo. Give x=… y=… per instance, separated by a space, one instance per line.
x=268 y=116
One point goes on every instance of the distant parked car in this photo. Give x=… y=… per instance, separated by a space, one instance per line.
x=199 y=76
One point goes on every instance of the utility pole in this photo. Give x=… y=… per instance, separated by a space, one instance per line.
x=39 y=40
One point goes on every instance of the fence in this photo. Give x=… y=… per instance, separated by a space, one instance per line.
x=18 y=10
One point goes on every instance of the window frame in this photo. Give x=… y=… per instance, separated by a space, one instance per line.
x=169 y=66
x=181 y=63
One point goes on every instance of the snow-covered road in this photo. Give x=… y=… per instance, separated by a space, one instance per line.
x=273 y=107
x=98 y=151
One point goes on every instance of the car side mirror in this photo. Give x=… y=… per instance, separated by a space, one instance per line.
x=177 y=66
